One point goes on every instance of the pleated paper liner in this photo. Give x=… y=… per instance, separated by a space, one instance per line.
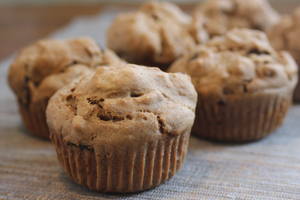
x=34 y=118
x=240 y=119
x=297 y=89
x=137 y=168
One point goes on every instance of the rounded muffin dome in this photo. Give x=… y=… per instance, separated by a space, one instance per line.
x=155 y=35
x=242 y=61
x=42 y=68
x=223 y=15
x=130 y=96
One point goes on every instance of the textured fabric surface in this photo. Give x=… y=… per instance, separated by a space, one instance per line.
x=267 y=169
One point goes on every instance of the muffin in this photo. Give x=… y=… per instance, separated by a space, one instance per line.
x=223 y=15
x=125 y=129
x=155 y=35
x=244 y=86
x=42 y=68
x=284 y=36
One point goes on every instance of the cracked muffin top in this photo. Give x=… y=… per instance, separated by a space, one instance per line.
x=223 y=15
x=242 y=61
x=47 y=65
x=285 y=34
x=156 y=34
x=128 y=104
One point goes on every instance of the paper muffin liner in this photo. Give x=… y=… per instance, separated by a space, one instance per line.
x=297 y=89
x=34 y=118
x=135 y=169
x=240 y=119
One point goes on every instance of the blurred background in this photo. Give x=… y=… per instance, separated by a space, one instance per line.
x=84 y=2
x=24 y=21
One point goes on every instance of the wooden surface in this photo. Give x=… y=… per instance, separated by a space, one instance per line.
x=20 y=26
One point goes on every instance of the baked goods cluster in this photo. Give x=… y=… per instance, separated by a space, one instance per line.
x=120 y=127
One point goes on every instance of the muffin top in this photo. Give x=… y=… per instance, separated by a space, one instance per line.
x=157 y=33
x=224 y=15
x=126 y=104
x=285 y=34
x=162 y=9
x=240 y=62
x=45 y=66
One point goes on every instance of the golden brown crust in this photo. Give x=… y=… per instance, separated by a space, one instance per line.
x=158 y=33
x=240 y=62
x=50 y=56
x=223 y=15
x=42 y=68
x=197 y=28
x=115 y=100
x=124 y=113
x=164 y=9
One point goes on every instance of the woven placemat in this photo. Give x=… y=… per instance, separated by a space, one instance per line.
x=267 y=169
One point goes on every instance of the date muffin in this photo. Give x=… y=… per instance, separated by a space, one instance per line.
x=223 y=15
x=42 y=68
x=155 y=35
x=244 y=86
x=285 y=36
x=124 y=129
